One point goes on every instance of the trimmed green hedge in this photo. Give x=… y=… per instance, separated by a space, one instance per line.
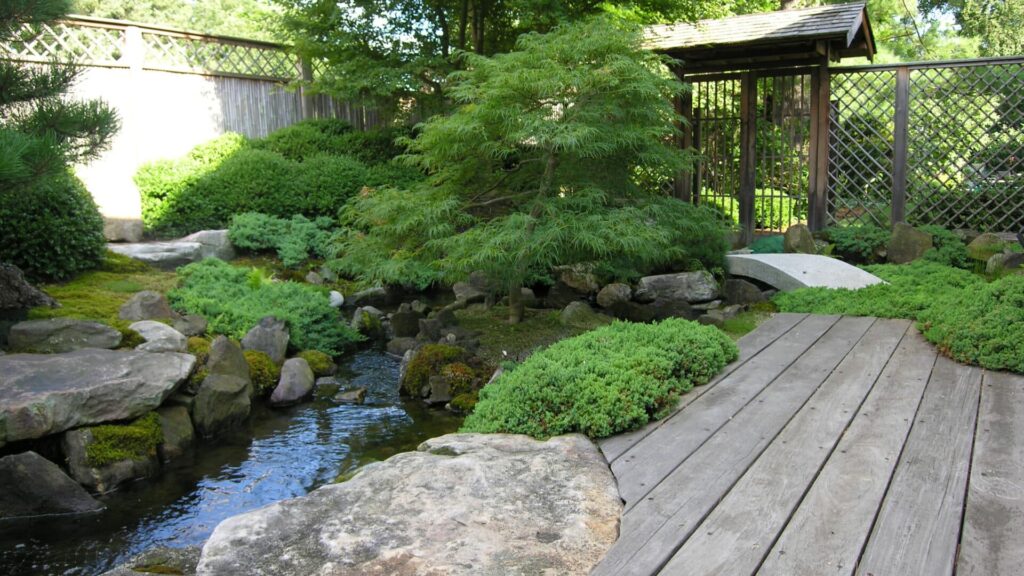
x=969 y=319
x=605 y=381
x=235 y=299
x=295 y=240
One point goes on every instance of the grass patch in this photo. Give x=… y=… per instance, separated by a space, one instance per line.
x=745 y=322
x=501 y=341
x=116 y=442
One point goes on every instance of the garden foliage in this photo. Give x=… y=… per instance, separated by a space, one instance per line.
x=295 y=240
x=605 y=381
x=968 y=318
x=861 y=244
x=137 y=440
x=235 y=299
x=772 y=210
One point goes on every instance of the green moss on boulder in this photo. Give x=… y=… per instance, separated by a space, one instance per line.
x=321 y=364
x=263 y=372
x=116 y=442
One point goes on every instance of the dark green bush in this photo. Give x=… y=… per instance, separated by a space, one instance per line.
x=861 y=244
x=51 y=228
x=768 y=245
x=947 y=248
x=605 y=381
x=327 y=182
x=373 y=147
x=295 y=240
x=306 y=139
x=235 y=299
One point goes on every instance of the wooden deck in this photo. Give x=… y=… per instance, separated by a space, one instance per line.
x=834 y=445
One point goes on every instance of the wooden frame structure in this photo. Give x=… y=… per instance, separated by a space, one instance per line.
x=755 y=46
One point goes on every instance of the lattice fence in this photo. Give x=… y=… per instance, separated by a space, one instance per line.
x=95 y=42
x=938 y=143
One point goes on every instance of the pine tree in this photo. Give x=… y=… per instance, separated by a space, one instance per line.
x=542 y=164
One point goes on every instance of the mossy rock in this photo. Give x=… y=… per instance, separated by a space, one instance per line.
x=200 y=348
x=428 y=361
x=263 y=372
x=116 y=442
x=129 y=338
x=459 y=376
x=465 y=402
x=321 y=364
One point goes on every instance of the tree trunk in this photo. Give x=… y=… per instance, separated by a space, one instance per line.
x=515 y=302
x=463 y=23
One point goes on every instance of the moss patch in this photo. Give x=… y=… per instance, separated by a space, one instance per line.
x=500 y=341
x=263 y=372
x=744 y=323
x=200 y=348
x=321 y=364
x=429 y=360
x=115 y=442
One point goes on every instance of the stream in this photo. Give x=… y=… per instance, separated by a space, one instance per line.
x=280 y=454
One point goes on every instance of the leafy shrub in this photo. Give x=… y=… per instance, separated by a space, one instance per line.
x=321 y=364
x=862 y=244
x=967 y=318
x=327 y=182
x=605 y=381
x=373 y=147
x=51 y=228
x=768 y=244
x=264 y=374
x=294 y=240
x=772 y=209
x=305 y=139
x=947 y=248
x=234 y=301
x=115 y=442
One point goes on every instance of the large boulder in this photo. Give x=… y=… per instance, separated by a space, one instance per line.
x=579 y=277
x=907 y=244
x=690 y=287
x=296 y=383
x=798 y=240
x=31 y=485
x=614 y=296
x=462 y=504
x=740 y=291
x=468 y=293
x=223 y=399
x=146 y=305
x=1001 y=263
x=17 y=294
x=159 y=337
x=406 y=322
x=179 y=435
x=108 y=476
x=191 y=325
x=160 y=560
x=122 y=229
x=369 y=321
x=270 y=336
x=581 y=315
x=212 y=244
x=46 y=394
x=56 y=335
x=560 y=295
x=985 y=246
x=164 y=255
x=370 y=297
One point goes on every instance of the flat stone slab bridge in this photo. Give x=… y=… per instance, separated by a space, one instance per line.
x=832 y=446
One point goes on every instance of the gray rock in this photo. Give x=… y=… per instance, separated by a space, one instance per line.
x=421 y=308
x=399 y=346
x=191 y=325
x=296 y=383
x=182 y=399
x=798 y=240
x=57 y=335
x=404 y=364
x=146 y=305
x=740 y=291
x=907 y=244
x=528 y=298
x=50 y=393
x=31 y=485
x=179 y=435
x=354 y=396
x=614 y=295
x=663 y=308
x=107 y=477
x=966 y=235
x=369 y=297
x=712 y=318
x=164 y=255
x=985 y=246
x=17 y=294
x=368 y=321
x=160 y=560
x=122 y=229
x=439 y=393
x=313 y=278
x=430 y=330
x=222 y=401
x=327 y=274
x=336 y=299
x=705 y=306
x=560 y=295
x=690 y=287
x=406 y=322
x=463 y=504
x=468 y=293
x=270 y=336
x=581 y=315
x=579 y=277
x=1002 y=263
x=446 y=316
x=635 y=312
x=212 y=244
x=159 y=337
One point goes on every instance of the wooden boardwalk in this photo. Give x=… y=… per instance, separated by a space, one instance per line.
x=833 y=445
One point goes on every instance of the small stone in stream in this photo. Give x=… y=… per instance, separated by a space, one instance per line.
x=354 y=396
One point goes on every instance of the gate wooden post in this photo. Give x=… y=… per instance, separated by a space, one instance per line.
x=748 y=154
x=899 y=145
x=683 y=183
x=817 y=194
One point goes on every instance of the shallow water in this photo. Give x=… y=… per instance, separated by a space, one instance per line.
x=282 y=454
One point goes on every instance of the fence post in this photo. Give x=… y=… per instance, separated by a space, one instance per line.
x=748 y=154
x=683 y=184
x=817 y=201
x=899 y=145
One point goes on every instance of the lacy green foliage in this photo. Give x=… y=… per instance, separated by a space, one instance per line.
x=199 y=347
x=772 y=209
x=295 y=240
x=859 y=244
x=115 y=442
x=264 y=374
x=223 y=294
x=605 y=381
x=969 y=319
x=428 y=361
x=947 y=248
x=768 y=245
x=51 y=228
x=321 y=364
x=982 y=325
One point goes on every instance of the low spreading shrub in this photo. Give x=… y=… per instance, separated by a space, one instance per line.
x=50 y=227
x=861 y=244
x=235 y=299
x=947 y=248
x=605 y=381
x=968 y=318
x=294 y=241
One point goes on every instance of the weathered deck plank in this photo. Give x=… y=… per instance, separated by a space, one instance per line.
x=654 y=529
x=642 y=467
x=918 y=526
x=738 y=533
x=827 y=532
x=993 y=536
x=750 y=345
